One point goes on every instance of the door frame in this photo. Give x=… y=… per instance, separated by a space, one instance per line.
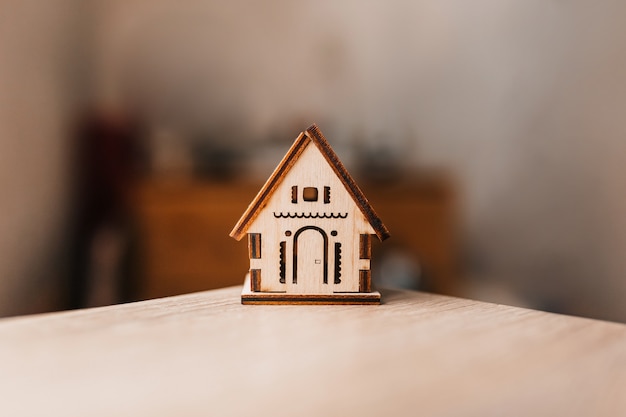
x=295 y=251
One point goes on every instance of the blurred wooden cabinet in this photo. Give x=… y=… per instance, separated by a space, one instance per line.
x=421 y=214
x=183 y=231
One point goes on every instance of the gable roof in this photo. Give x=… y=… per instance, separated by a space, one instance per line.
x=314 y=135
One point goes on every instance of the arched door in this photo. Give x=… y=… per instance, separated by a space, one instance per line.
x=310 y=260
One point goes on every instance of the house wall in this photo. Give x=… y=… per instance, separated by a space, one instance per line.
x=310 y=170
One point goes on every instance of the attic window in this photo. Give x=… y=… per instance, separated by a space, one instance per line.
x=309 y=194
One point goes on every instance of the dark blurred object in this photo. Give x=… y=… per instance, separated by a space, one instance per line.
x=184 y=227
x=379 y=164
x=386 y=159
x=106 y=165
x=215 y=161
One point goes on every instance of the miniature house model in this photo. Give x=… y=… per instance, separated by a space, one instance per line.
x=309 y=231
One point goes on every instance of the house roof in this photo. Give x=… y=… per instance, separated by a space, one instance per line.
x=314 y=135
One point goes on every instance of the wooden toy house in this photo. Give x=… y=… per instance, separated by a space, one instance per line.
x=309 y=231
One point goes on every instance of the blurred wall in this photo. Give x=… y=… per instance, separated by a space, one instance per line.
x=522 y=99
x=38 y=45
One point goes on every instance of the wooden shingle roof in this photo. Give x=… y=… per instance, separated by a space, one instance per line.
x=314 y=135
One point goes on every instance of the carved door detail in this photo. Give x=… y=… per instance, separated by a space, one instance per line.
x=310 y=260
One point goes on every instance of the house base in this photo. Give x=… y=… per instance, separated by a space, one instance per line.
x=257 y=297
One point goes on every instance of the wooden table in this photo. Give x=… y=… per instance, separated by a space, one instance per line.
x=205 y=354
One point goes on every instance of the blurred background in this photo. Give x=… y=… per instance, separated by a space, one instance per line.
x=489 y=135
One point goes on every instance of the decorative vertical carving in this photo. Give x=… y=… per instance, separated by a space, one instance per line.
x=283 y=248
x=294 y=194
x=255 y=279
x=365 y=280
x=365 y=247
x=337 y=263
x=326 y=195
x=254 y=245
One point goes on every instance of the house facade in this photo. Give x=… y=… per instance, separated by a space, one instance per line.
x=310 y=227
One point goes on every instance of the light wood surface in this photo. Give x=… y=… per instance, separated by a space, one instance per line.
x=205 y=354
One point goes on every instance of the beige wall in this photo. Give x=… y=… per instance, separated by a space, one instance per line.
x=36 y=41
